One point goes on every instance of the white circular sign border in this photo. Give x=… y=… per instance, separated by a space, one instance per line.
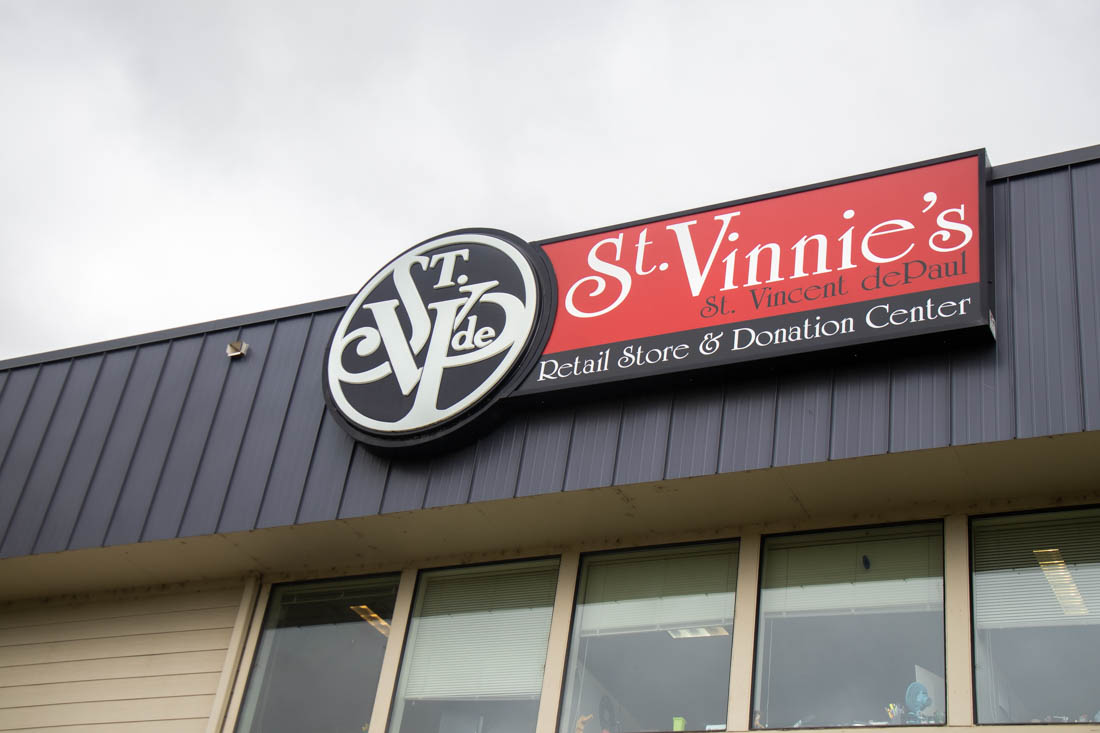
x=515 y=352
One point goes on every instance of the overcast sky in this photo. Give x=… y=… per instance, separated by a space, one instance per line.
x=165 y=162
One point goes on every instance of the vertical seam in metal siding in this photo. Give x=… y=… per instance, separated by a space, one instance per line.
x=775 y=425
x=37 y=450
x=430 y=467
x=427 y=487
x=618 y=443
x=469 y=484
x=1077 y=296
x=721 y=428
x=141 y=434
x=385 y=484
x=175 y=427
x=832 y=415
x=205 y=441
x=668 y=436
x=102 y=448
x=1006 y=303
x=1090 y=215
x=950 y=399
x=309 y=468
x=1010 y=287
x=282 y=425
x=244 y=428
x=4 y=386
x=473 y=474
x=890 y=408
x=519 y=468
x=22 y=414
x=568 y=449
x=1025 y=357
x=69 y=451
x=347 y=475
x=1039 y=297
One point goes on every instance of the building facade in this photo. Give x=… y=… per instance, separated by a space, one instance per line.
x=903 y=535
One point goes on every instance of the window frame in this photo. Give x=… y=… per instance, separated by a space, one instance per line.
x=383 y=724
x=973 y=676
x=838 y=529
x=737 y=541
x=262 y=614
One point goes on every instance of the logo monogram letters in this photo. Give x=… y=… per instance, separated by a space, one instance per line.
x=445 y=325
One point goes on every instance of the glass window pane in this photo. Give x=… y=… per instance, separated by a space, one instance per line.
x=651 y=641
x=850 y=629
x=1037 y=617
x=319 y=656
x=476 y=649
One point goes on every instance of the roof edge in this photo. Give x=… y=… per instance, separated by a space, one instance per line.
x=997 y=173
x=1045 y=162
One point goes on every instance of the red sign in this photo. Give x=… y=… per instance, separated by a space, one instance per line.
x=838 y=264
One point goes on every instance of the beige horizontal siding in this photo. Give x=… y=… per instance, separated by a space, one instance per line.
x=111 y=711
x=44 y=613
x=103 y=669
x=207 y=618
x=118 y=689
x=116 y=646
x=140 y=663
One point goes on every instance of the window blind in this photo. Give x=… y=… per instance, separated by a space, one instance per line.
x=824 y=574
x=480 y=633
x=1037 y=570
x=667 y=589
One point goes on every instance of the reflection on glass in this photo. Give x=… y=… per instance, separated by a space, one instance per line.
x=476 y=648
x=850 y=630
x=651 y=641
x=319 y=656
x=1037 y=617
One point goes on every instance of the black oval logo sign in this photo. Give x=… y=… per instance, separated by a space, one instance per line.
x=438 y=335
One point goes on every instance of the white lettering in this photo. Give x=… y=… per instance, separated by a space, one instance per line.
x=799 y=248
x=955 y=226
x=448 y=270
x=548 y=369
x=639 y=268
x=878 y=230
x=696 y=275
x=881 y=316
x=599 y=283
x=773 y=261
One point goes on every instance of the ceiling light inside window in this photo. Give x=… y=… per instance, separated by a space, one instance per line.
x=698 y=631
x=1061 y=582
x=372 y=618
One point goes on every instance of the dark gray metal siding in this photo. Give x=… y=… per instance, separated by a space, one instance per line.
x=542 y=469
x=1044 y=299
x=861 y=412
x=693 y=437
x=129 y=466
x=1085 y=184
x=167 y=437
x=747 y=433
x=87 y=452
x=984 y=382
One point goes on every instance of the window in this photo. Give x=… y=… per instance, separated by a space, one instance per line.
x=1037 y=617
x=476 y=648
x=319 y=656
x=850 y=629
x=651 y=641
